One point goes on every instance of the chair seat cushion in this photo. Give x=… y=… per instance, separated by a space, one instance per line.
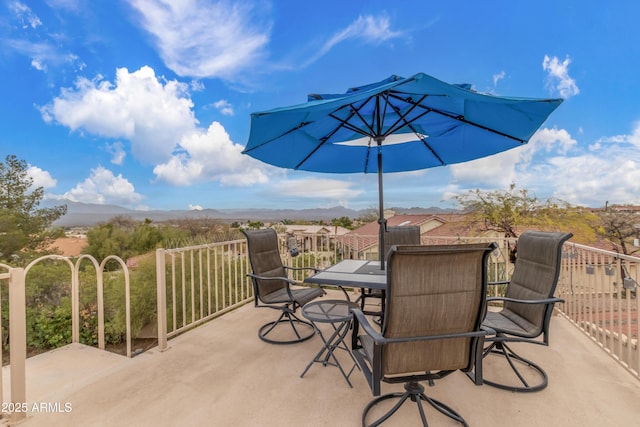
x=302 y=296
x=506 y=321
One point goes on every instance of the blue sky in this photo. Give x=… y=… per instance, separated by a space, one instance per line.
x=146 y=103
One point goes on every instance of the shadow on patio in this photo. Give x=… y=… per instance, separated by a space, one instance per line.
x=221 y=374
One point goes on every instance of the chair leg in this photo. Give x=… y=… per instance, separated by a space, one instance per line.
x=287 y=316
x=415 y=393
x=514 y=360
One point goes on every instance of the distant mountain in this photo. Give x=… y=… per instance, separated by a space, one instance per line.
x=88 y=214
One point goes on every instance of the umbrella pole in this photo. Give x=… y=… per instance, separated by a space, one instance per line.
x=381 y=220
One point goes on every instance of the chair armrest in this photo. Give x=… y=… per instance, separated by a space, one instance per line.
x=378 y=339
x=286 y=279
x=315 y=270
x=524 y=301
x=366 y=326
x=288 y=282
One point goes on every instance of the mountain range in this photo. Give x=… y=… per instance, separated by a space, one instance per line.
x=88 y=214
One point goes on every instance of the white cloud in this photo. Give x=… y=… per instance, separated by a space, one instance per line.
x=371 y=29
x=25 y=15
x=609 y=171
x=592 y=179
x=210 y=155
x=157 y=117
x=224 y=107
x=152 y=113
x=195 y=207
x=548 y=140
x=501 y=169
x=36 y=42
x=498 y=77
x=72 y=5
x=558 y=78
x=551 y=166
x=43 y=54
x=199 y=38
x=494 y=171
x=41 y=178
x=311 y=188
x=117 y=152
x=633 y=138
x=103 y=187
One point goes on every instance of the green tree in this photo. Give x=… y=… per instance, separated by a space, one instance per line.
x=124 y=237
x=255 y=224
x=343 y=221
x=24 y=226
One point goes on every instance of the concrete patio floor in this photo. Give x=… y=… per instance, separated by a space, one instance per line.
x=221 y=374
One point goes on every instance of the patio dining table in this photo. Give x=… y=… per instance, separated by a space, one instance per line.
x=352 y=273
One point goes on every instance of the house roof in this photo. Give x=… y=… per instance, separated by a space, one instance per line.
x=395 y=221
x=367 y=236
x=315 y=229
x=455 y=224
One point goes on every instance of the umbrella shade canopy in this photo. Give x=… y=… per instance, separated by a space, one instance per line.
x=414 y=123
x=398 y=124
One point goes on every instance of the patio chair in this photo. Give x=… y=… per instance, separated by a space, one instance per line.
x=399 y=235
x=432 y=324
x=526 y=311
x=272 y=288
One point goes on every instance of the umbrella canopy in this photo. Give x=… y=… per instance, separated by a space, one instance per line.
x=398 y=124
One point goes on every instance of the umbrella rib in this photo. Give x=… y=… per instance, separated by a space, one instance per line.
x=403 y=117
x=342 y=123
x=462 y=119
x=293 y=129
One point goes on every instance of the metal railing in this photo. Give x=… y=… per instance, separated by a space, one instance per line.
x=198 y=283
x=600 y=292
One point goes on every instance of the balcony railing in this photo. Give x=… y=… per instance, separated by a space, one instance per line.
x=600 y=292
x=201 y=282
x=198 y=283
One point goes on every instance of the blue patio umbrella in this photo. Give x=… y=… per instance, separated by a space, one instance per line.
x=398 y=124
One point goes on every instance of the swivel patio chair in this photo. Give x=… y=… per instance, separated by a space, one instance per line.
x=272 y=288
x=435 y=303
x=398 y=235
x=526 y=311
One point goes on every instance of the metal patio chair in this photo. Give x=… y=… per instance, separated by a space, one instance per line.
x=272 y=288
x=526 y=311
x=432 y=324
x=398 y=235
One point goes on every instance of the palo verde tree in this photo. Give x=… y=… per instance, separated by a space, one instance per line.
x=24 y=226
x=506 y=211
x=499 y=210
x=620 y=225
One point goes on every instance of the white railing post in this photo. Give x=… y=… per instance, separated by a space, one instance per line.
x=17 y=341
x=161 y=285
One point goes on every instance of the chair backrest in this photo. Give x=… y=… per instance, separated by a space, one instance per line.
x=264 y=257
x=401 y=235
x=535 y=276
x=432 y=290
